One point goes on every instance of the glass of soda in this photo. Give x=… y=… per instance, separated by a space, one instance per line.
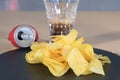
x=61 y=15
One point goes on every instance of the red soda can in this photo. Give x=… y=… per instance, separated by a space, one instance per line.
x=23 y=36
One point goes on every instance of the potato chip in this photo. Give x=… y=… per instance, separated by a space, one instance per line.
x=41 y=54
x=56 y=55
x=57 y=38
x=71 y=36
x=56 y=68
x=54 y=46
x=96 y=66
x=66 y=38
x=37 y=45
x=30 y=57
x=87 y=72
x=87 y=51
x=77 y=43
x=66 y=51
x=103 y=59
x=37 y=56
x=77 y=62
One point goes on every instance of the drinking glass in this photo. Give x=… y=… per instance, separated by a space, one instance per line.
x=61 y=15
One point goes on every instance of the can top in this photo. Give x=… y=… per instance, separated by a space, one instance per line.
x=23 y=35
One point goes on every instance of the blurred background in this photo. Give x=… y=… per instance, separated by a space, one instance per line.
x=37 y=5
x=98 y=21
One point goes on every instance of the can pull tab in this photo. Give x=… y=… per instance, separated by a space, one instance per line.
x=19 y=35
x=24 y=36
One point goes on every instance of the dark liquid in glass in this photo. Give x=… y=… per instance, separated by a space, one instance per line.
x=60 y=29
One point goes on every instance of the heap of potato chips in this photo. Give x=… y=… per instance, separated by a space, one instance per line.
x=67 y=52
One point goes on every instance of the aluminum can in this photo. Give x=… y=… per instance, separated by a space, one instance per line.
x=23 y=35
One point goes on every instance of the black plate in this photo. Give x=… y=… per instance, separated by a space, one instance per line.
x=14 y=67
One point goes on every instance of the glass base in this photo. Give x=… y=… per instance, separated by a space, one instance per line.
x=59 y=29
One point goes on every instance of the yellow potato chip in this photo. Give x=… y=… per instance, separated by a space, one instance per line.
x=77 y=43
x=57 y=38
x=54 y=46
x=56 y=68
x=87 y=51
x=56 y=55
x=70 y=37
x=96 y=66
x=77 y=62
x=66 y=51
x=36 y=56
x=37 y=45
x=41 y=54
x=66 y=38
x=103 y=59
x=87 y=72
x=30 y=57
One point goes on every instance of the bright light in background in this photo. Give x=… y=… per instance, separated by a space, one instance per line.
x=13 y=5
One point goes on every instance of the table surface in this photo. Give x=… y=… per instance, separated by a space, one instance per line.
x=101 y=29
x=15 y=67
